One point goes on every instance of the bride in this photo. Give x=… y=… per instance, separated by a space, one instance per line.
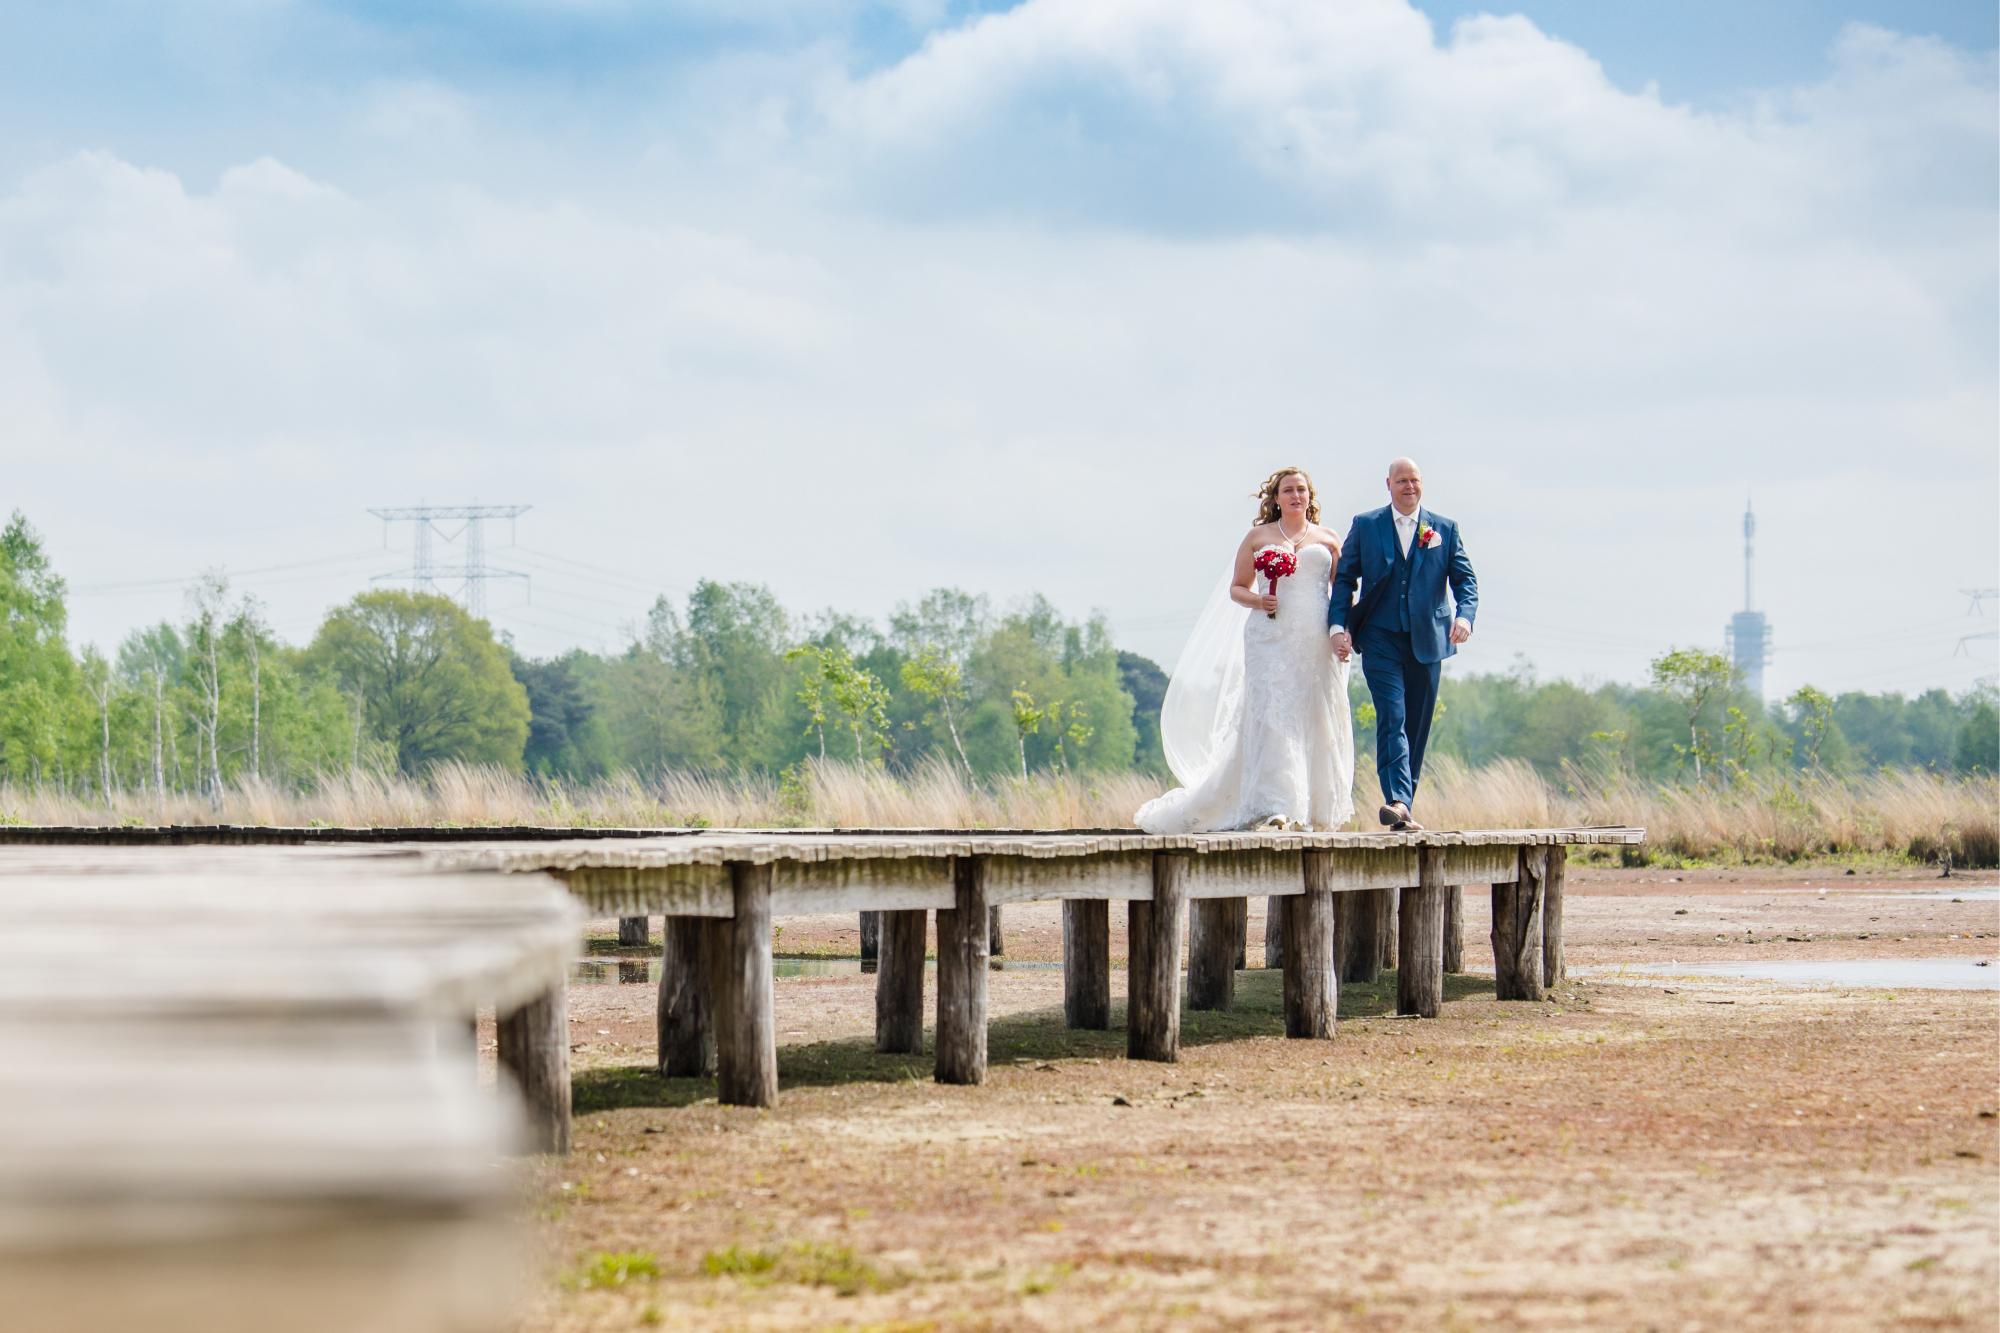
x=1255 y=723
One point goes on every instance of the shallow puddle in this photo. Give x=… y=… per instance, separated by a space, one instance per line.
x=646 y=971
x=1870 y=973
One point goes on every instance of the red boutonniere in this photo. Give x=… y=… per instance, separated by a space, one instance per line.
x=1427 y=537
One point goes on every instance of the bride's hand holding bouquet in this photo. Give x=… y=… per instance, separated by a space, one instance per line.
x=1274 y=563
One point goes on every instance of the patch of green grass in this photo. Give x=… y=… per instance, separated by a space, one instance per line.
x=806 y=1263
x=608 y=1268
x=735 y=1261
x=1045 y=1280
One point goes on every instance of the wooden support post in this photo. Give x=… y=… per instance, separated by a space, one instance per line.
x=1454 y=929
x=1086 y=963
x=1420 y=942
x=1312 y=983
x=1517 y=929
x=1356 y=930
x=1555 y=968
x=1388 y=906
x=634 y=931
x=1274 y=932
x=739 y=990
x=1212 y=934
x=962 y=962
x=534 y=1048
x=996 y=943
x=899 y=984
x=871 y=936
x=687 y=1044
x=1153 y=991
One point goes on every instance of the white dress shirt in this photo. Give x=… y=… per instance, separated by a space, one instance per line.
x=1406 y=528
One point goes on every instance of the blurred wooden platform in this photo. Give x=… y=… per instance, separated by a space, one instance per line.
x=239 y=1080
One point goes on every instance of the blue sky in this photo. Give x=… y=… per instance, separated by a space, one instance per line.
x=1010 y=285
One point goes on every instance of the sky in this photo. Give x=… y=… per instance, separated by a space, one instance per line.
x=855 y=299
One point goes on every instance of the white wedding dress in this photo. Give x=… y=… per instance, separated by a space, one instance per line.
x=1255 y=723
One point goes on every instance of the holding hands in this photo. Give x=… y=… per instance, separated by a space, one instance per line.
x=1343 y=646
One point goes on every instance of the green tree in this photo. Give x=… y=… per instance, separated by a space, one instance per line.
x=1812 y=710
x=833 y=677
x=939 y=682
x=812 y=692
x=565 y=735
x=41 y=698
x=1034 y=650
x=1142 y=678
x=734 y=645
x=204 y=641
x=1978 y=749
x=432 y=682
x=1027 y=722
x=1692 y=678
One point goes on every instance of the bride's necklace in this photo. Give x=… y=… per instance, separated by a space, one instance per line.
x=1290 y=540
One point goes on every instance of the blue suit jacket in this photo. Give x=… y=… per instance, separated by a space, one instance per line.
x=1368 y=562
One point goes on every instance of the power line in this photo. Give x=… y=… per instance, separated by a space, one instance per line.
x=141 y=585
x=611 y=574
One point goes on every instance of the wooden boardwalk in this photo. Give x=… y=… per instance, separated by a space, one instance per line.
x=1334 y=895
x=1336 y=900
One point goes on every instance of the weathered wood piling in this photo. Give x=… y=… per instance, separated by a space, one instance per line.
x=962 y=962
x=1518 y=929
x=899 y=984
x=1153 y=944
x=1086 y=963
x=1215 y=928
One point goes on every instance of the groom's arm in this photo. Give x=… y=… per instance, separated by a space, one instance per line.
x=1346 y=578
x=1464 y=584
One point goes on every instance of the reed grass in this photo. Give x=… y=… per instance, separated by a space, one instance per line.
x=1899 y=814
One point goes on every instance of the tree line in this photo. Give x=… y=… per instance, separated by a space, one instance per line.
x=730 y=681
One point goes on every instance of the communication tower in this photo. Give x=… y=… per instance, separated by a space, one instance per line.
x=1749 y=634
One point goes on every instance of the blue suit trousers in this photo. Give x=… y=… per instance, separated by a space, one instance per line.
x=1405 y=693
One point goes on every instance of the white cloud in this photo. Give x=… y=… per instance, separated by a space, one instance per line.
x=1034 y=307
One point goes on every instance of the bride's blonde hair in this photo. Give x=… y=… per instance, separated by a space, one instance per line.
x=1267 y=495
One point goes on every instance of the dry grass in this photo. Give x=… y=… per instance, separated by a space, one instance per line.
x=1911 y=814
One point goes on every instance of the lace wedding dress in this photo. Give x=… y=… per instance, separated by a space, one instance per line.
x=1255 y=723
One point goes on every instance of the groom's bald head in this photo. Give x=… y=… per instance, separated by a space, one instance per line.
x=1406 y=485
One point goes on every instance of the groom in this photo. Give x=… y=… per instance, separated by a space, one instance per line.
x=1402 y=557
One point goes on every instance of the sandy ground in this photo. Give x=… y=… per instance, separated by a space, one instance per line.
x=1637 y=1152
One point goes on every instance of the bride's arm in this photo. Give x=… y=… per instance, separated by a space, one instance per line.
x=1243 y=588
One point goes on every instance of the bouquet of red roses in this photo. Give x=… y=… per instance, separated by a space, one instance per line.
x=1274 y=563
